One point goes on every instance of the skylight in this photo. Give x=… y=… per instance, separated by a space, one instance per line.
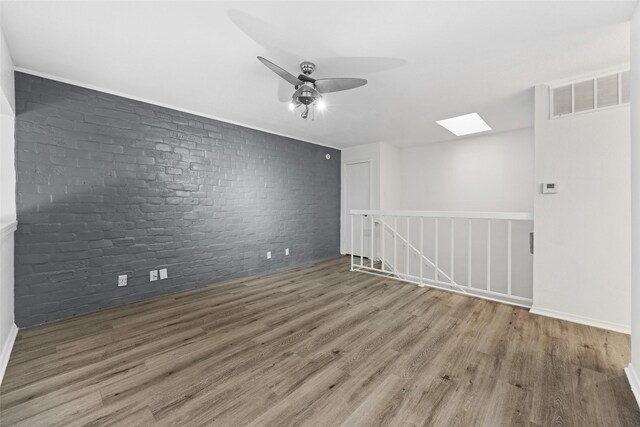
x=464 y=125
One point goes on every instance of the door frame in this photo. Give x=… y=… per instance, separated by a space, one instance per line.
x=344 y=215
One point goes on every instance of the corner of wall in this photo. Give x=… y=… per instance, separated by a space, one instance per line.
x=6 y=75
x=634 y=380
x=8 y=328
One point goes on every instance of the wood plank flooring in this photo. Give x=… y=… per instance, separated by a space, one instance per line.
x=317 y=346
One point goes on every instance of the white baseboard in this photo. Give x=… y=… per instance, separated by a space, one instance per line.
x=625 y=329
x=634 y=381
x=6 y=350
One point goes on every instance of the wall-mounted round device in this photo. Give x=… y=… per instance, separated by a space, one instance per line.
x=328 y=156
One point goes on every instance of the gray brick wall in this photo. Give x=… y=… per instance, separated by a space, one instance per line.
x=107 y=185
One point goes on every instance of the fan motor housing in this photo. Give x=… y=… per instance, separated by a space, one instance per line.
x=307 y=97
x=307 y=67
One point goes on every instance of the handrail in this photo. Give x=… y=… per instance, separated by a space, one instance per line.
x=516 y=216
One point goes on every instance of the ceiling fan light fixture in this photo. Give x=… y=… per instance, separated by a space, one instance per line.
x=309 y=90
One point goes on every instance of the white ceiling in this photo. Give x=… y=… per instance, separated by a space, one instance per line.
x=425 y=61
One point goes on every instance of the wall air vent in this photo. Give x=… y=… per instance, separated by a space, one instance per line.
x=598 y=92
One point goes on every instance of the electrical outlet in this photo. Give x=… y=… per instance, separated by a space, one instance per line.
x=286 y=251
x=269 y=255
x=163 y=274
x=153 y=275
x=122 y=280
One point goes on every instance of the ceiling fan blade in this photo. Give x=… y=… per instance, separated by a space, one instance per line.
x=336 y=85
x=273 y=38
x=280 y=71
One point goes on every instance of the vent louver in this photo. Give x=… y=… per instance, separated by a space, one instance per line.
x=592 y=94
x=583 y=97
x=562 y=100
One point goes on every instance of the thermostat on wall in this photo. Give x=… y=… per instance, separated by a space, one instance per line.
x=549 y=187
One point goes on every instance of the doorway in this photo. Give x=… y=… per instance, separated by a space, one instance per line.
x=357 y=196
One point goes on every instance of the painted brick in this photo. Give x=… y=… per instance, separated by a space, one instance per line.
x=109 y=186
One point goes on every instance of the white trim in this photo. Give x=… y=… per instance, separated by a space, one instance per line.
x=634 y=382
x=343 y=197
x=516 y=216
x=8 y=228
x=616 y=327
x=6 y=350
x=162 y=104
x=443 y=286
x=584 y=78
x=594 y=110
x=603 y=72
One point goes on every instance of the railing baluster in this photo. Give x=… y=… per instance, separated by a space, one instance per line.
x=509 y=257
x=382 y=233
x=436 y=257
x=361 y=240
x=452 y=250
x=421 y=249
x=488 y=254
x=395 y=244
x=372 y=245
x=407 y=246
x=351 y=242
x=469 y=255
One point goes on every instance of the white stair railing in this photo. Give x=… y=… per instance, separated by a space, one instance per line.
x=416 y=252
x=371 y=231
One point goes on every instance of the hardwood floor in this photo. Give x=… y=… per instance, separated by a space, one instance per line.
x=317 y=346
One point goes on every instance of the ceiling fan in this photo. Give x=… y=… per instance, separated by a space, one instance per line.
x=309 y=91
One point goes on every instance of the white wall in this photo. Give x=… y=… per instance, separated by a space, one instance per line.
x=390 y=178
x=7 y=204
x=492 y=172
x=582 y=234
x=488 y=173
x=634 y=367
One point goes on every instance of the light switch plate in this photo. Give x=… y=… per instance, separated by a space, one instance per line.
x=286 y=251
x=163 y=273
x=153 y=275
x=269 y=255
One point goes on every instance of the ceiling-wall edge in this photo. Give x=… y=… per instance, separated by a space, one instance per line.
x=465 y=137
x=598 y=72
x=162 y=104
